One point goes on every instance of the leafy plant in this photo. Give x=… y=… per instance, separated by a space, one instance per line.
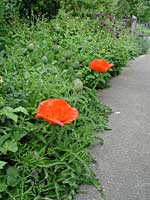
x=51 y=60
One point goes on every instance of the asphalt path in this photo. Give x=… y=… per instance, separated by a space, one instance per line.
x=123 y=162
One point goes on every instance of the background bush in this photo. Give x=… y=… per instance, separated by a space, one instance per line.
x=37 y=8
x=139 y=8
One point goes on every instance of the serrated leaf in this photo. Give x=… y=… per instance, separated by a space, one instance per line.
x=2 y=164
x=21 y=109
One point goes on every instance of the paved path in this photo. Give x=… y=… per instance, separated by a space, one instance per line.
x=123 y=162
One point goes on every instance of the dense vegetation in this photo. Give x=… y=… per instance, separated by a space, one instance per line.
x=28 y=8
x=139 y=8
x=41 y=59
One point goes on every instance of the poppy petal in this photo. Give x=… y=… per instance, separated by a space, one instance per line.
x=56 y=111
x=100 y=65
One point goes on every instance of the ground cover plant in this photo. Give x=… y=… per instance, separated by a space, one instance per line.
x=51 y=60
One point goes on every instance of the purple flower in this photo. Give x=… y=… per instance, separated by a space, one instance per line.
x=126 y=17
x=35 y=172
x=98 y=14
x=117 y=35
x=111 y=18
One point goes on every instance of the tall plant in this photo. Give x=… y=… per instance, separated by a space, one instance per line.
x=83 y=7
x=140 y=8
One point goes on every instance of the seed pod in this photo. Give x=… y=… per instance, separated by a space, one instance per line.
x=79 y=74
x=78 y=85
x=30 y=47
x=44 y=59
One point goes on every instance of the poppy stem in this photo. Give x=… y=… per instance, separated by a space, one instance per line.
x=95 y=84
x=97 y=81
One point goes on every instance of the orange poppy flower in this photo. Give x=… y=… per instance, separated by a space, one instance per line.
x=56 y=111
x=100 y=65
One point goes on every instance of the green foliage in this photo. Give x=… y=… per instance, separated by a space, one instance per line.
x=40 y=160
x=9 y=10
x=2 y=164
x=51 y=60
x=87 y=7
x=5 y=27
x=139 y=8
x=29 y=8
x=143 y=45
x=143 y=29
x=2 y=27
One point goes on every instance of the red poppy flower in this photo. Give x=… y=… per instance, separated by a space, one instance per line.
x=100 y=65
x=56 y=111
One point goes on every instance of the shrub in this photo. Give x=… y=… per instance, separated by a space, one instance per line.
x=140 y=8
x=29 y=8
x=87 y=7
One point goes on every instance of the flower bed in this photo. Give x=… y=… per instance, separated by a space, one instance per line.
x=51 y=63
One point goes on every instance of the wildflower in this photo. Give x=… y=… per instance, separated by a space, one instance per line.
x=100 y=65
x=56 y=111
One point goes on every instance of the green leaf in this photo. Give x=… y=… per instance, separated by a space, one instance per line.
x=3 y=187
x=9 y=146
x=9 y=112
x=2 y=164
x=17 y=135
x=3 y=138
x=21 y=109
x=12 y=176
